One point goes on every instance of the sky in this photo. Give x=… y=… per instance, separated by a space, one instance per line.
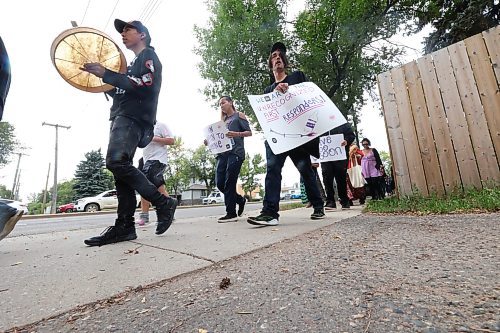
x=38 y=94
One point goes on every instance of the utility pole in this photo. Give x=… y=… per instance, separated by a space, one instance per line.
x=54 y=195
x=16 y=176
x=45 y=192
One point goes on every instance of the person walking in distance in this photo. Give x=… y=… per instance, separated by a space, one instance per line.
x=229 y=163
x=154 y=163
x=8 y=215
x=133 y=116
x=278 y=63
x=371 y=165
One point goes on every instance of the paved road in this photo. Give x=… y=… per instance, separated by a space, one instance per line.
x=68 y=222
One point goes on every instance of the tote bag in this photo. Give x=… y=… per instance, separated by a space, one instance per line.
x=355 y=175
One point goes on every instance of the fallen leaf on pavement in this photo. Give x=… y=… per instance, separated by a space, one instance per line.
x=244 y=312
x=224 y=283
x=143 y=300
x=17 y=263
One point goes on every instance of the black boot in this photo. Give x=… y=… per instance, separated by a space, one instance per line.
x=165 y=214
x=113 y=234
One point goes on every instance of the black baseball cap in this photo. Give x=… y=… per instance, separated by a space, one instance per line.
x=120 y=25
x=278 y=46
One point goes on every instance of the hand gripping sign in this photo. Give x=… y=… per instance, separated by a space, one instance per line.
x=330 y=148
x=217 y=141
x=296 y=117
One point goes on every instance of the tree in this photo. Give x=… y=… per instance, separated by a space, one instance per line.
x=4 y=192
x=453 y=20
x=235 y=45
x=65 y=192
x=91 y=177
x=8 y=142
x=386 y=161
x=178 y=171
x=250 y=169
x=203 y=166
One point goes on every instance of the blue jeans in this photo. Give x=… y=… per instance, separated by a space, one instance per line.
x=226 y=175
x=124 y=138
x=302 y=160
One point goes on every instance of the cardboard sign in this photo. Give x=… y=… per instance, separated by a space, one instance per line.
x=217 y=141
x=296 y=117
x=330 y=148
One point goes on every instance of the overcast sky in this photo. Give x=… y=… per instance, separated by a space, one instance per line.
x=38 y=94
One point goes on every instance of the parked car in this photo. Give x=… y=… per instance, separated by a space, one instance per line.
x=67 y=208
x=104 y=200
x=295 y=196
x=15 y=204
x=214 y=197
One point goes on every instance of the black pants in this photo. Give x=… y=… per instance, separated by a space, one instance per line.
x=124 y=137
x=335 y=170
x=302 y=161
x=226 y=176
x=375 y=187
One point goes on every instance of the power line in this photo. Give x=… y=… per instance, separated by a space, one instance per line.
x=148 y=4
x=159 y=2
x=85 y=14
x=110 y=15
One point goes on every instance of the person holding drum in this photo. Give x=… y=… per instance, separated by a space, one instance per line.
x=133 y=116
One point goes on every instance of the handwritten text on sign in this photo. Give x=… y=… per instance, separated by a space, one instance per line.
x=217 y=141
x=330 y=148
x=296 y=117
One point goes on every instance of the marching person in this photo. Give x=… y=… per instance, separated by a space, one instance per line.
x=8 y=215
x=371 y=164
x=278 y=64
x=229 y=163
x=133 y=116
x=153 y=164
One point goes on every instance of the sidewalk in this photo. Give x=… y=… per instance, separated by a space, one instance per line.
x=46 y=274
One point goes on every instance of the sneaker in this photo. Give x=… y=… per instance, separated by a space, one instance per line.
x=318 y=214
x=9 y=225
x=241 y=207
x=228 y=218
x=263 y=219
x=165 y=215
x=112 y=234
x=330 y=206
x=143 y=219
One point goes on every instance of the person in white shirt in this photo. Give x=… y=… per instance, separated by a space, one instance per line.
x=153 y=164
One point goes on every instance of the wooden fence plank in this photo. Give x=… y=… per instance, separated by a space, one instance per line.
x=396 y=146
x=439 y=125
x=478 y=128
x=487 y=85
x=415 y=167
x=492 y=40
x=462 y=144
x=423 y=129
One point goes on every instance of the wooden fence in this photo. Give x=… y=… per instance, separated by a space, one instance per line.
x=442 y=115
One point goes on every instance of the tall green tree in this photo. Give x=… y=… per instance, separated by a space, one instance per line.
x=250 y=171
x=4 y=192
x=235 y=45
x=91 y=177
x=65 y=192
x=8 y=142
x=178 y=171
x=203 y=166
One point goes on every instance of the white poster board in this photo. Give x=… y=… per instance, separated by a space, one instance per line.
x=217 y=141
x=330 y=148
x=296 y=117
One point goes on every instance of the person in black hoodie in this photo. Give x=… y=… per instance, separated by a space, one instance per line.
x=337 y=170
x=8 y=215
x=300 y=156
x=133 y=116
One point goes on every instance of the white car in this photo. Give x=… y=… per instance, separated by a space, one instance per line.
x=104 y=200
x=15 y=204
x=213 y=198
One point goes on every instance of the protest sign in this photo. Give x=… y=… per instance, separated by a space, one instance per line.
x=330 y=148
x=296 y=117
x=217 y=141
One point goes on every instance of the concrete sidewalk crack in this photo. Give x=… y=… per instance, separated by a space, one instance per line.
x=175 y=251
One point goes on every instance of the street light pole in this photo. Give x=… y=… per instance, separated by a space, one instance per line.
x=54 y=194
x=16 y=176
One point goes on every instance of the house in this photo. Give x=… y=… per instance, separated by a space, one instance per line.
x=194 y=194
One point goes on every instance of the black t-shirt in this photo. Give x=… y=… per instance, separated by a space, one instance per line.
x=310 y=147
x=237 y=124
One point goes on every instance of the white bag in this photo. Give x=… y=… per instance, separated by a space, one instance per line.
x=355 y=175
